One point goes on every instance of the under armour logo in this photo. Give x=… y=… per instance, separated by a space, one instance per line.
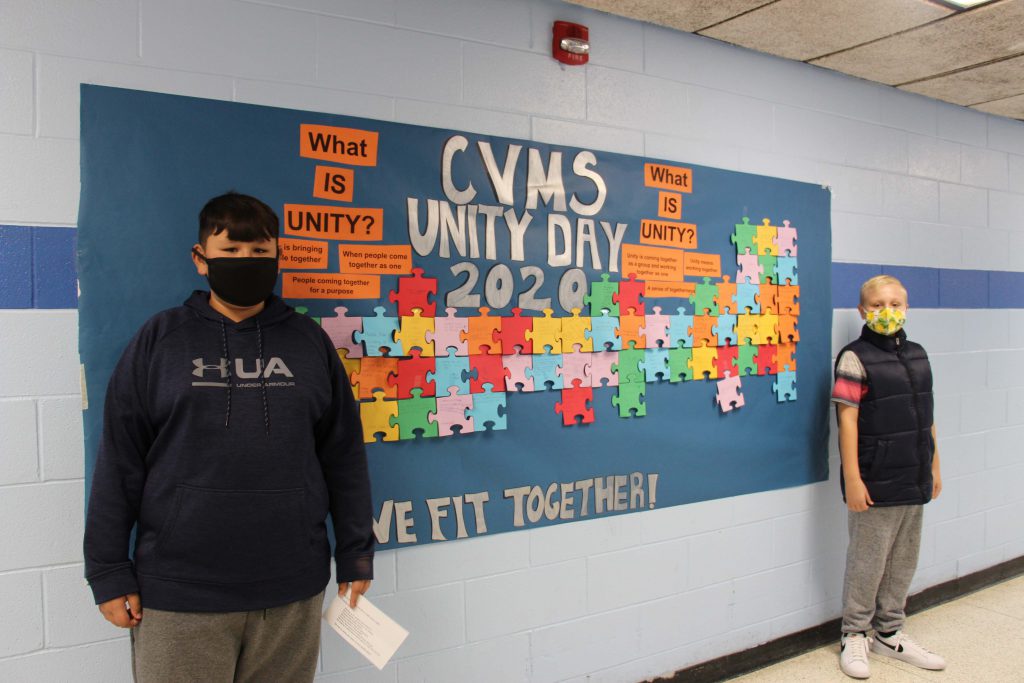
x=201 y=368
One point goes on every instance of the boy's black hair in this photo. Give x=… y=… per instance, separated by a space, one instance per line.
x=246 y=218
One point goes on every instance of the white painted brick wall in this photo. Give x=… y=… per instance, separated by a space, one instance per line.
x=915 y=182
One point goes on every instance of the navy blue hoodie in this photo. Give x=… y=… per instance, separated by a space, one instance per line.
x=227 y=444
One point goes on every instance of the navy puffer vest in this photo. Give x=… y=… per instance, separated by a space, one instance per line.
x=894 y=438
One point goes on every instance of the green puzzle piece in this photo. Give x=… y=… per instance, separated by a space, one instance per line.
x=416 y=413
x=600 y=297
x=679 y=365
x=745 y=364
x=704 y=298
x=768 y=268
x=631 y=396
x=628 y=367
x=305 y=311
x=744 y=236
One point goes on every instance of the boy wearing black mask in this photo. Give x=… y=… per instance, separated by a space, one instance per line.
x=229 y=432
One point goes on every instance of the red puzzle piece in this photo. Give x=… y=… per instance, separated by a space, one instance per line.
x=576 y=402
x=727 y=361
x=414 y=292
x=412 y=373
x=512 y=333
x=630 y=291
x=766 y=360
x=486 y=369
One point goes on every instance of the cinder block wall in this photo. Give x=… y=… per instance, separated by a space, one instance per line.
x=916 y=183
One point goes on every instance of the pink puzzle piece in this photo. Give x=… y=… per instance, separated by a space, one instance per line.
x=448 y=333
x=340 y=329
x=729 y=396
x=517 y=365
x=749 y=269
x=787 y=239
x=601 y=368
x=576 y=366
x=451 y=412
x=656 y=328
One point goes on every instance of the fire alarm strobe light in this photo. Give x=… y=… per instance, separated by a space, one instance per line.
x=570 y=43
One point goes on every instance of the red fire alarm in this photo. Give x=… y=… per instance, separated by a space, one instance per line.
x=570 y=43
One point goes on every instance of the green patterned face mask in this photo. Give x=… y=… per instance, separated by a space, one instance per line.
x=887 y=321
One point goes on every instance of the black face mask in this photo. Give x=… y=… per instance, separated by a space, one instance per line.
x=241 y=281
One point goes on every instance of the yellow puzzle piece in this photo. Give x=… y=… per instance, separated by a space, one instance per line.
x=412 y=332
x=376 y=418
x=574 y=331
x=547 y=331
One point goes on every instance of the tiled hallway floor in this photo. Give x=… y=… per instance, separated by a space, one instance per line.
x=981 y=635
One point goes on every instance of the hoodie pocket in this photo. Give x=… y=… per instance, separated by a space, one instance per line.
x=217 y=536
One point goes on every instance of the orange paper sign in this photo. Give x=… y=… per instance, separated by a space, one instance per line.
x=669 y=234
x=675 y=178
x=703 y=265
x=329 y=286
x=331 y=182
x=652 y=263
x=334 y=222
x=375 y=260
x=678 y=290
x=670 y=205
x=302 y=253
x=342 y=145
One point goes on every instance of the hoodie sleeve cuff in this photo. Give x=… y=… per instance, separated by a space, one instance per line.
x=113 y=584
x=354 y=566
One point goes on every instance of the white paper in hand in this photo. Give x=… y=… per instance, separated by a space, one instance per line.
x=366 y=628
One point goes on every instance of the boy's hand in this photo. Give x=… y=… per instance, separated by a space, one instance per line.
x=857 y=497
x=358 y=588
x=125 y=611
x=936 y=482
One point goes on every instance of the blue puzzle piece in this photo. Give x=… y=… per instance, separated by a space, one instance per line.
x=746 y=297
x=726 y=329
x=785 y=266
x=378 y=333
x=546 y=368
x=784 y=386
x=488 y=408
x=655 y=364
x=679 y=326
x=602 y=332
x=451 y=371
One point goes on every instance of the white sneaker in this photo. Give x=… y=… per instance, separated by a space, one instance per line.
x=901 y=647
x=853 y=655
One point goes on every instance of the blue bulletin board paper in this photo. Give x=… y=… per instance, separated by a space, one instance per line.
x=150 y=161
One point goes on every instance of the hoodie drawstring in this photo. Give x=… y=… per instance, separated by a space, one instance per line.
x=227 y=359
x=263 y=377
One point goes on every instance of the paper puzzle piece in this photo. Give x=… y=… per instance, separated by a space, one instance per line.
x=576 y=366
x=546 y=369
x=704 y=298
x=766 y=360
x=512 y=333
x=489 y=409
x=746 y=363
x=743 y=237
x=352 y=365
x=574 y=332
x=378 y=335
x=340 y=329
x=785 y=357
x=416 y=415
x=486 y=369
x=679 y=369
x=448 y=336
x=787 y=299
x=746 y=298
x=629 y=331
x=517 y=379
x=483 y=337
x=630 y=366
x=767 y=238
x=784 y=386
x=749 y=269
x=680 y=329
x=703 y=330
x=787 y=328
x=602 y=333
x=602 y=296
x=376 y=418
x=767 y=329
x=412 y=373
x=576 y=402
x=412 y=333
x=767 y=297
x=728 y=394
x=414 y=291
x=787 y=239
x=727 y=361
x=725 y=330
x=546 y=334
x=630 y=399
x=656 y=328
x=452 y=413
x=655 y=364
x=374 y=372
x=746 y=328
x=704 y=361
x=602 y=364
x=769 y=268
x=630 y=292
x=451 y=372
x=785 y=267
x=726 y=298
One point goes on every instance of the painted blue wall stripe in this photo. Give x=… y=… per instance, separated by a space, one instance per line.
x=37 y=270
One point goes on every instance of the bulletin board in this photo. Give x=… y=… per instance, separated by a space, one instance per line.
x=537 y=333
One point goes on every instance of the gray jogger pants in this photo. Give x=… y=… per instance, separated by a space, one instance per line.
x=276 y=644
x=880 y=563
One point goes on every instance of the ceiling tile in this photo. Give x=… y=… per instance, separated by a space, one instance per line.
x=981 y=84
x=691 y=15
x=804 y=29
x=979 y=35
x=1012 y=107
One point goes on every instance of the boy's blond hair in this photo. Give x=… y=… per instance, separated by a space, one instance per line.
x=879 y=281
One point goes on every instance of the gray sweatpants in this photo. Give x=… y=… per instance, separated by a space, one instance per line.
x=276 y=644
x=880 y=563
